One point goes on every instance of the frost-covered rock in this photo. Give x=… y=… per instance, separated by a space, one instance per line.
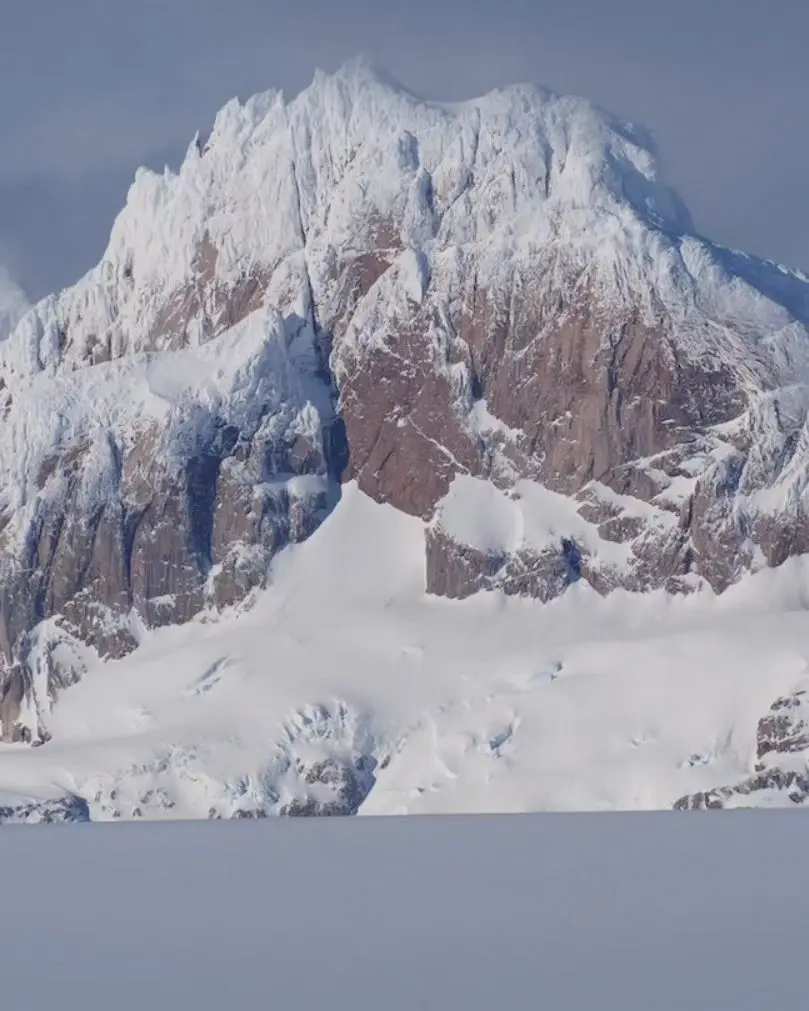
x=785 y=729
x=34 y=812
x=773 y=787
x=49 y=659
x=781 y=774
x=144 y=489
x=322 y=762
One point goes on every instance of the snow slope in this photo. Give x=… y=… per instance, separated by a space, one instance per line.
x=490 y=704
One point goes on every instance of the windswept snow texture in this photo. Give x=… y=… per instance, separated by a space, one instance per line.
x=609 y=913
x=346 y=689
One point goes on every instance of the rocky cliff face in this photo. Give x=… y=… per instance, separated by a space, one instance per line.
x=150 y=487
x=492 y=315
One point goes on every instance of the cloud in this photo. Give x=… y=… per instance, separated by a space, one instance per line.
x=13 y=302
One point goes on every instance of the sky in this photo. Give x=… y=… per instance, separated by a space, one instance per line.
x=91 y=89
x=571 y=912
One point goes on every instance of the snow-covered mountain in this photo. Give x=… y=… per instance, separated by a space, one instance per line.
x=493 y=317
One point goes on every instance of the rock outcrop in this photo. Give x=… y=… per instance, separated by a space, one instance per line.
x=34 y=812
x=785 y=729
x=323 y=761
x=358 y=284
x=756 y=791
x=147 y=489
x=782 y=766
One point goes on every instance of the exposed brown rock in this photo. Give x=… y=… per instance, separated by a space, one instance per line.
x=206 y=304
x=591 y=392
x=785 y=728
x=406 y=443
x=456 y=570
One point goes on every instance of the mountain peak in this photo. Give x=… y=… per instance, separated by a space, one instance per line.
x=490 y=315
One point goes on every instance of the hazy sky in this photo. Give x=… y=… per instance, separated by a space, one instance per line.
x=89 y=89
x=619 y=912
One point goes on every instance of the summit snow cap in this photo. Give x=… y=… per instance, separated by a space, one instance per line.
x=532 y=155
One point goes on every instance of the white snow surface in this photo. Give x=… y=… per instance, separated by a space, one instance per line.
x=489 y=704
x=527 y=516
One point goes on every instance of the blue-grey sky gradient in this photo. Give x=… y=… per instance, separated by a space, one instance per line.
x=91 y=88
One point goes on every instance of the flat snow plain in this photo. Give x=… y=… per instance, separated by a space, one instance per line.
x=610 y=912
